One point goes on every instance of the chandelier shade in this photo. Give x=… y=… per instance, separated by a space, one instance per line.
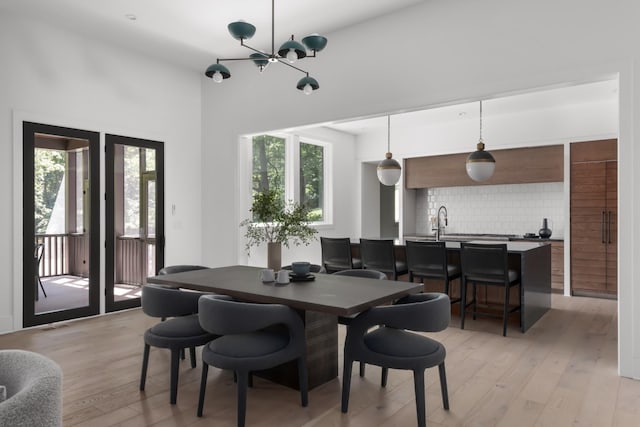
x=217 y=72
x=292 y=50
x=241 y=30
x=308 y=85
x=480 y=164
x=288 y=53
x=315 y=42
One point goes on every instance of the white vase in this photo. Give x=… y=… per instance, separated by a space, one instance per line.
x=274 y=255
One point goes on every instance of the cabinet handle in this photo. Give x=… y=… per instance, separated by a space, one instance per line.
x=603 y=228
x=609 y=226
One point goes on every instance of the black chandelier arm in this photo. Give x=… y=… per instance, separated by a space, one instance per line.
x=284 y=62
x=235 y=59
x=266 y=55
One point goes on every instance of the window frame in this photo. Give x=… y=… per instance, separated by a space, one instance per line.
x=292 y=171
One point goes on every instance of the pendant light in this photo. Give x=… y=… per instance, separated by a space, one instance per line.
x=480 y=163
x=389 y=169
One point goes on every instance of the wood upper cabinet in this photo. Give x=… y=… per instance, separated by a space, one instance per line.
x=594 y=217
x=513 y=166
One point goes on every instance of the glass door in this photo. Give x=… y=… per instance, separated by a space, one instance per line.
x=61 y=241
x=134 y=217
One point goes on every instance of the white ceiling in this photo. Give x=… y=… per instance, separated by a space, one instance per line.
x=194 y=32
x=601 y=91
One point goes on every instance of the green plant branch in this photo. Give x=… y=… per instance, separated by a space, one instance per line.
x=274 y=222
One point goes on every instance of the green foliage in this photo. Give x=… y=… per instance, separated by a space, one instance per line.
x=49 y=168
x=312 y=179
x=274 y=221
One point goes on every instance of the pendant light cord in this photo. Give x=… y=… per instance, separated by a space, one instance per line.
x=388 y=134
x=480 y=120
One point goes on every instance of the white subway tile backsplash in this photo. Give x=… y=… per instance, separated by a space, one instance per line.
x=495 y=209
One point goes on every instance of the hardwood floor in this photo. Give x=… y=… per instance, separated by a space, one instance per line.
x=562 y=372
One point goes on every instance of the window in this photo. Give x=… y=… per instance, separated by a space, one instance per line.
x=294 y=169
x=312 y=180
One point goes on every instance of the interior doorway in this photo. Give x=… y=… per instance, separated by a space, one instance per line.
x=61 y=231
x=134 y=217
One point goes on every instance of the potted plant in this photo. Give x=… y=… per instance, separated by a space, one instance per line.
x=277 y=224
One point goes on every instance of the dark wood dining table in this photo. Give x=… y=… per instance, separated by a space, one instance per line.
x=318 y=301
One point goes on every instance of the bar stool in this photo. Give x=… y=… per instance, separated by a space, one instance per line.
x=336 y=254
x=487 y=264
x=428 y=260
x=379 y=254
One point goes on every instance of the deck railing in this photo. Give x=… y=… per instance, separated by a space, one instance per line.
x=69 y=254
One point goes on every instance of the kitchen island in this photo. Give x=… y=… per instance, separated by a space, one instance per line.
x=532 y=259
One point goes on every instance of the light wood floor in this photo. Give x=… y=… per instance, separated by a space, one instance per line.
x=562 y=372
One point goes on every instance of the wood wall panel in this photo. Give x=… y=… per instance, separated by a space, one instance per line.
x=513 y=166
x=594 y=217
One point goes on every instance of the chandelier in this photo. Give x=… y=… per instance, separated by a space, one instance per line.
x=288 y=53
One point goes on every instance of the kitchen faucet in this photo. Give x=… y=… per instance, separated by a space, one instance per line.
x=440 y=227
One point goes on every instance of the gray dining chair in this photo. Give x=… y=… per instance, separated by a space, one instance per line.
x=367 y=274
x=487 y=264
x=253 y=337
x=180 y=330
x=391 y=344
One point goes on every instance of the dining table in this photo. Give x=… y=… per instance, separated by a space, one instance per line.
x=318 y=298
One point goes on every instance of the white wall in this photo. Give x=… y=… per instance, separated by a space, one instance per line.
x=60 y=78
x=442 y=52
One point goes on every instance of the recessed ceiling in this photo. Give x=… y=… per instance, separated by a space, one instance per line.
x=194 y=32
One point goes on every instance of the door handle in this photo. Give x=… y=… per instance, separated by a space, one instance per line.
x=609 y=227
x=603 y=228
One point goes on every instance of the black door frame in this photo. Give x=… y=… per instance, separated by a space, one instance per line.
x=29 y=317
x=110 y=142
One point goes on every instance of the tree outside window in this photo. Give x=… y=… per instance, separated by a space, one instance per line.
x=312 y=180
x=270 y=171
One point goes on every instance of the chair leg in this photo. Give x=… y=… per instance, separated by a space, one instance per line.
x=175 y=369
x=383 y=379
x=475 y=299
x=182 y=354
x=243 y=380
x=505 y=315
x=362 y=365
x=145 y=364
x=443 y=386
x=463 y=301
x=303 y=381
x=418 y=382
x=203 y=387
x=411 y=276
x=192 y=353
x=346 y=383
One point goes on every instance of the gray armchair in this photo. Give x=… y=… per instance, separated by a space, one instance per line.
x=181 y=329
x=253 y=337
x=33 y=390
x=391 y=345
